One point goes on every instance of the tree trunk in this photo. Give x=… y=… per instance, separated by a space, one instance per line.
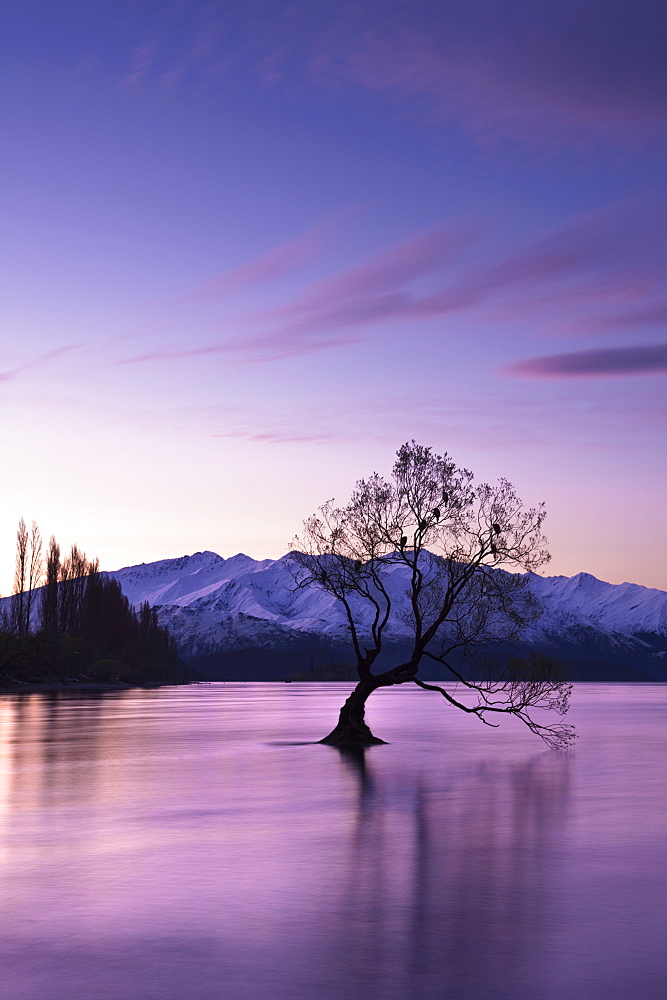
x=352 y=730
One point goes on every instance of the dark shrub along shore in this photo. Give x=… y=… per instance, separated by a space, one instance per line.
x=44 y=662
x=67 y=625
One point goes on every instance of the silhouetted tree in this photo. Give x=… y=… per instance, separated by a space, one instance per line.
x=75 y=571
x=431 y=530
x=27 y=576
x=49 y=606
x=109 y=624
x=35 y=568
x=83 y=616
x=20 y=572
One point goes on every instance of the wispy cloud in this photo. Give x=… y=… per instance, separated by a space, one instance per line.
x=568 y=282
x=320 y=319
x=181 y=51
x=362 y=296
x=172 y=354
x=263 y=349
x=280 y=261
x=142 y=60
x=589 y=263
x=653 y=314
x=550 y=74
x=608 y=361
x=500 y=419
x=41 y=359
x=413 y=258
x=545 y=74
x=286 y=436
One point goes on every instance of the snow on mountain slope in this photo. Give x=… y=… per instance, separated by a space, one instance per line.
x=181 y=581
x=625 y=607
x=213 y=603
x=215 y=606
x=208 y=602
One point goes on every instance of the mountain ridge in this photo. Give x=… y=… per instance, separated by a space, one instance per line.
x=222 y=609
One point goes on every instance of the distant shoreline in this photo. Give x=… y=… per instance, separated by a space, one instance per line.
x=45 y=688
x=92 y=687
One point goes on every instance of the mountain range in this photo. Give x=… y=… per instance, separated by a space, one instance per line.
x=246 y=619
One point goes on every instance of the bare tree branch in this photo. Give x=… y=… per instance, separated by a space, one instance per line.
x=458 y=546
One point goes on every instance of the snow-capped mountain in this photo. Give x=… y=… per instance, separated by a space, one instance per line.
x=228 y=614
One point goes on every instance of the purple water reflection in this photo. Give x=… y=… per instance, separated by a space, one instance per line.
x=176 y=844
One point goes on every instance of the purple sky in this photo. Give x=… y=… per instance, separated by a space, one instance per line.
x=250 y=248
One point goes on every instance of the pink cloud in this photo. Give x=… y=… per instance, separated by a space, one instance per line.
x=284 y=437
x=595 y=259
x=610 y=361
x=142 y=61
x=315 y=321
x=368 y=293
x=263 y=348
x=276 y=263
x=563 y=279
x=194 y=50
x=172 y=353
x=37 y=362
x=652 y=314
x=604 y=291
x=196 y=57
x=623 y=241
x=542 y=74
x=412 y=259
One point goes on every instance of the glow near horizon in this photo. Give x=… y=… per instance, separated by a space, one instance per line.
x=247 y=257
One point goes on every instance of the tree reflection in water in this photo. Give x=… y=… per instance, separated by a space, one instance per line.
x=192 y=843
x=448 y=889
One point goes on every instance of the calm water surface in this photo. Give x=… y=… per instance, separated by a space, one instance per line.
x=179 y=844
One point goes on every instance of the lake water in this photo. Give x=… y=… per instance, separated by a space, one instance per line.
x=179 y=844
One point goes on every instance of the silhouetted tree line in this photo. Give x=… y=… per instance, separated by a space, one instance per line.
x=65 y=619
